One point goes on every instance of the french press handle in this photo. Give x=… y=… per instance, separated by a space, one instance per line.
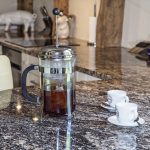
x=29 y=97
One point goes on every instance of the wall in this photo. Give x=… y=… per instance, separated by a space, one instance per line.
x=36 y=8
x=136 y=25
x=82 y=9
x=77 y=8
x=6 y=5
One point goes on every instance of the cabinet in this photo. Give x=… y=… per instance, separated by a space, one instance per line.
x=110 y=23
x=15 y=60
x=1 y=50
x=33 y=77
x=62 y=5
x=25 y=5
x=28 y=5
x=84 y=77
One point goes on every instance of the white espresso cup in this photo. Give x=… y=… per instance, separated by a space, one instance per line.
x=126 y=113
x=116 y=96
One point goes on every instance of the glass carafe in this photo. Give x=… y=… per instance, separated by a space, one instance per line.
x=56 y=65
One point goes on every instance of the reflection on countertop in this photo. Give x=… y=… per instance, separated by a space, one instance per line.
x=106 y=63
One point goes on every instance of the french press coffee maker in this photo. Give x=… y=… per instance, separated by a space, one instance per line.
x=57 y=70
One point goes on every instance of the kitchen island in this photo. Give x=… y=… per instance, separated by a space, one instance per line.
x=89 y=128
x=90 y=60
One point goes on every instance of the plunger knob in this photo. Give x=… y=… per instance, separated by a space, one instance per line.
x=56 y=11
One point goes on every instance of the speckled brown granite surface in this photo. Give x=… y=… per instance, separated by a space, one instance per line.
x=89 y=129
x=101 y=63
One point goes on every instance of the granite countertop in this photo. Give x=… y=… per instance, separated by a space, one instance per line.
x=106 y=63
x=89 y=128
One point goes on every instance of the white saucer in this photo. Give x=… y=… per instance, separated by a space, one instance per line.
x=110 y=108
x=114 y=120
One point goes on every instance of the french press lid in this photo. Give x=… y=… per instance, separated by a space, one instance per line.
x=59 y=53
